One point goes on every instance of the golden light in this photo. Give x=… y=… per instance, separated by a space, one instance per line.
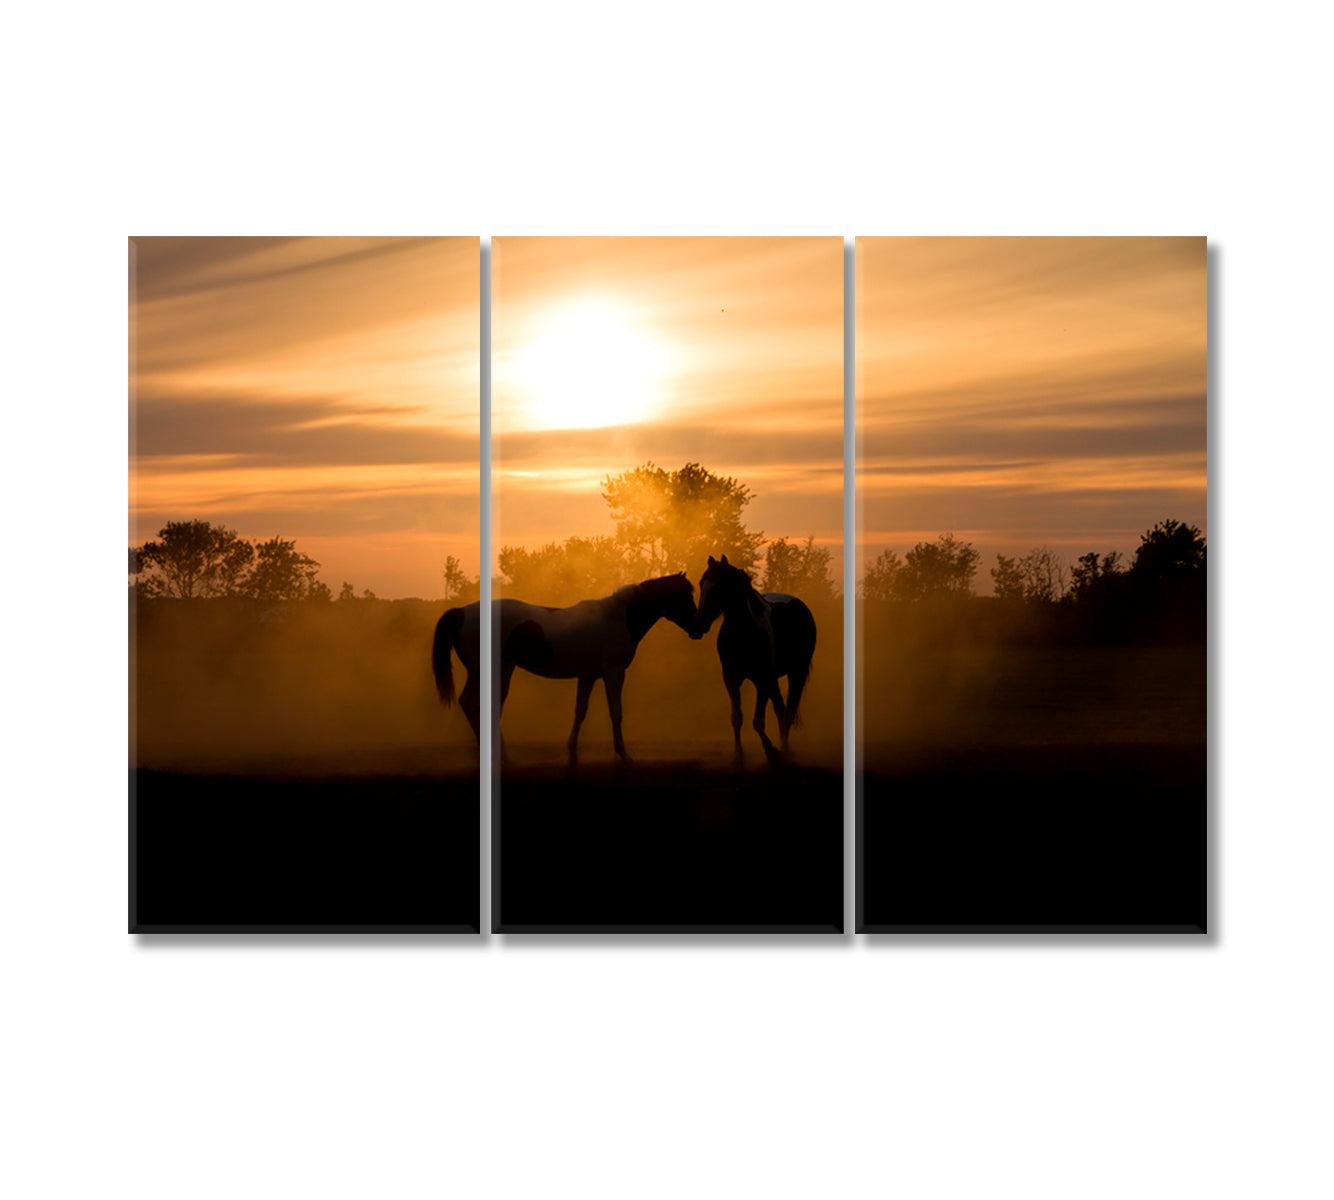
x=590 y=366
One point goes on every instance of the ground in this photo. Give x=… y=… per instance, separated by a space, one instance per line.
x=670 y=843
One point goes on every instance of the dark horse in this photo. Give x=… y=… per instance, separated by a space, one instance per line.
x=762 y=639
x=591 y=640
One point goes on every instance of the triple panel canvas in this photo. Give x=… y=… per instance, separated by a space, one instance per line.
x=665 y=648
x=304 y=470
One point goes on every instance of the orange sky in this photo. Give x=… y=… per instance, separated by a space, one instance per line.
x=1016 y=392
x=321 y=389
x=1030 y=391
x=611 y=352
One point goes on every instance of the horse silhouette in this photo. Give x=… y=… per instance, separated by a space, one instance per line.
x=591 y=640
x=763 y=638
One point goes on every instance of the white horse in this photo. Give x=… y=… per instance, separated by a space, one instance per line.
x=591 y=640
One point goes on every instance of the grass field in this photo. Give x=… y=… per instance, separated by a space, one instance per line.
x=670 y=843
x=1035 y=788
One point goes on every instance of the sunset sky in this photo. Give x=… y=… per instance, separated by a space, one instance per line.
x=319 y=389
x=1015 y=392
x=1030 y=391
x=609 y=353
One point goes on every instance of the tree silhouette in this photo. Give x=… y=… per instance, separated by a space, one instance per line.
x=674 y=520
x=1090 y=577
x=282 y=573
x=1161 y=599
x=1038 y=577
x=192 y=559
x=1166 y=588
x=798 y=570
x=880 y=582
x=944 y=567
x=460 y=588
x=1169 y=552
x=929 y=571
x=1007 y=579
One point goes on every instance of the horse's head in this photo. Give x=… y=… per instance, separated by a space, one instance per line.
x=717 y=586
x=679 y=601
x=671 y=597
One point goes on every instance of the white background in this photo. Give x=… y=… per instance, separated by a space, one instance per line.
x=500 y=1067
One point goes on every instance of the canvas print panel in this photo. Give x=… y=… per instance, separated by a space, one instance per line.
x=1032 y=595
x=668 y=485
x=304 y=502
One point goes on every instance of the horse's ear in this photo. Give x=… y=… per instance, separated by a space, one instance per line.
x=711 y=562
x=724 y=560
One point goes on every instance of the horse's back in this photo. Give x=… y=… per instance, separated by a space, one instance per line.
x=790 y=613
x=509 y=613
x=794 y=630
x=587 y=638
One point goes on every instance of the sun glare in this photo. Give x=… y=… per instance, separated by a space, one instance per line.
x=590 y=366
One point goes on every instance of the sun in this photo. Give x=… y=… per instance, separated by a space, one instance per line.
x=590 y=365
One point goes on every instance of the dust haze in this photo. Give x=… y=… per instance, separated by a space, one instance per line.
x=1031 y=768
x=977 y=675
x=308 y=688
x=345 y=687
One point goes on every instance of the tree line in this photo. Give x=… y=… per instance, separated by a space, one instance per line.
x=1169 y=553
x=1159 y=593
x=195 y=560
x=664 y=521
x=192 y=560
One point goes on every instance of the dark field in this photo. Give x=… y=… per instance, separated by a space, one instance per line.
x=295 y=771
x=679 y=838
x=670 y=844
x=347 y=853
x=298 y=772
x=1033 y=787
x=1094 y=837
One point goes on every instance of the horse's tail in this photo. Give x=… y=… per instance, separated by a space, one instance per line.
x=800 y=671
x=796 y=684
x=446 y=638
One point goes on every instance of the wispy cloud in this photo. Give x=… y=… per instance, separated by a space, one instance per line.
x=1028 y=385
x=317 y=387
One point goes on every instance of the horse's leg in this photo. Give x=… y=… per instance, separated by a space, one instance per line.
x=506 y=674
x=586 y=683
x=764 y=692
x=470 y=700
x=733 y=683
x=614 y=680
x=782 y=711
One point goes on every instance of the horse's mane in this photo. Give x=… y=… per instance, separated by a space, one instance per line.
x=652 y=587
x=730 y=569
